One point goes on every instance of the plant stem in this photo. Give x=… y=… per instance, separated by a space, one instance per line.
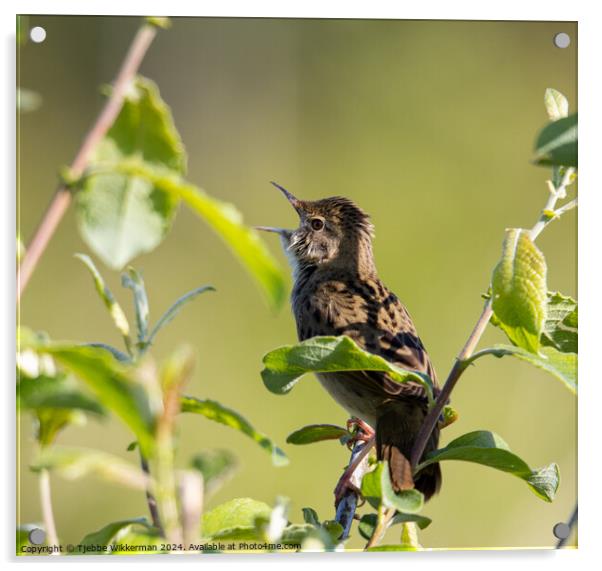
x=385 y=515
x=62 y=198
x=150 y=498
x=459 y=366
x=555 y=194
x=47 y=512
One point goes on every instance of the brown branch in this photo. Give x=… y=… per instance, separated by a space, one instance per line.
x=459 y=366
x=62 y=198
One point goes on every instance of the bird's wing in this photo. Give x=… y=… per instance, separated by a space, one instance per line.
x=379 y=323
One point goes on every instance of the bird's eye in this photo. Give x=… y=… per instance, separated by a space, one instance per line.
x=316 y=223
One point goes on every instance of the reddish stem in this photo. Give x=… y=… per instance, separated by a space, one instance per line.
x=62 y=198
x=433 y=416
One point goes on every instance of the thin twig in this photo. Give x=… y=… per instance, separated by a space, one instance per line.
x=62 y=198
x=385 y=515
x=47 y=512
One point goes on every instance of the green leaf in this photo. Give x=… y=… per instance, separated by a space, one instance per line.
x=169 y=315
x=117 y=314
x=556 y=144
x=217 y=466
x=236 y=516
x=367 y=522
x=215 y=411
x=560 y=329
x=489 y=449
x=519 y=290
x=317 y=433
x=110 y=532
x=557 y=105
x=562 y=365
x=58 y=392
x=121 y=216
x=113 y=385
x=225 y=220
x=133 y=280
x=376 y=488
x=285 y=366
x=75 y=463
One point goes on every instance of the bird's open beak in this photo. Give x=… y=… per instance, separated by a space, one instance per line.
x=295 y=202
x=281 y=231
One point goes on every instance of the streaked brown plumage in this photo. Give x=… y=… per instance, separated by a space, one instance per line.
x=337 y=292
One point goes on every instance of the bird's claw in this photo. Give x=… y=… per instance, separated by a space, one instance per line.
x=362 y=432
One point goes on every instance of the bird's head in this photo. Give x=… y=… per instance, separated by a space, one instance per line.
x=331 y=231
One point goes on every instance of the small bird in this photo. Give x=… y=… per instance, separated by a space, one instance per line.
x=337 y=292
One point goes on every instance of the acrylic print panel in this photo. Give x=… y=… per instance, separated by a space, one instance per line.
x=159 y=407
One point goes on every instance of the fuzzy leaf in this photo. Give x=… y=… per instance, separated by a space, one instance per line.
x=489 y=449
x=234 y=518
x=285 y=366
x=122 y=216
x=215 y=411
x=519 y=290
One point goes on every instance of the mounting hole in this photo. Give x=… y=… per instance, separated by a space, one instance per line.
x=37 y=536
x=37 y=34
x=562 y=40
x=561 y=530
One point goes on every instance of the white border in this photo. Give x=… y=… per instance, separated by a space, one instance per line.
x=589 y=259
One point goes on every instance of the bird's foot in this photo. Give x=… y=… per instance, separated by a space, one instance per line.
x=362 y=431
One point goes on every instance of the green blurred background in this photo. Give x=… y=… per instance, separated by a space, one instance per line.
x=428 y=125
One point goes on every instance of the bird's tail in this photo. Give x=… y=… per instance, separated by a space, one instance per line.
x=397 y=426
